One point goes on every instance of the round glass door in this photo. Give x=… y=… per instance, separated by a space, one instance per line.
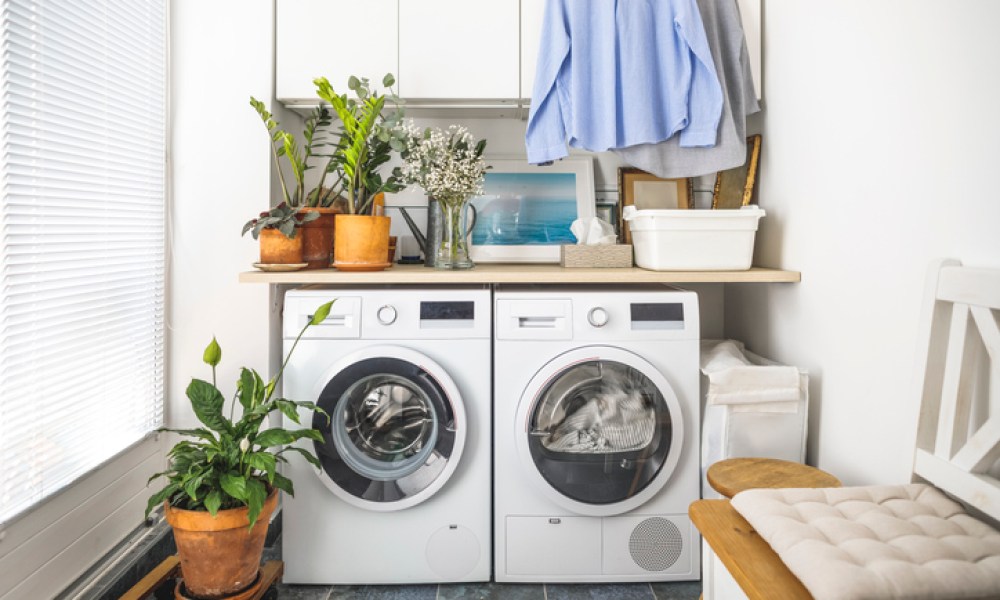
x=602 y=430
x=395 y=429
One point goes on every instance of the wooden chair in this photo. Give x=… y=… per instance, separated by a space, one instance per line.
x=953 y=450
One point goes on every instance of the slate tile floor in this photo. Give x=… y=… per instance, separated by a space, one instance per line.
x=687 y=590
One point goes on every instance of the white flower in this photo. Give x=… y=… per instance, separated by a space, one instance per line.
x=244 y=445
x=448 y=164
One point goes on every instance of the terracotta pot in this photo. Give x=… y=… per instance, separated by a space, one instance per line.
x=219 y=555
x=317 y=238
x=276 y=249
x=361 y=243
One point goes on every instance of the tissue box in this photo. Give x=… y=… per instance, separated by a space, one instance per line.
x=608 y=255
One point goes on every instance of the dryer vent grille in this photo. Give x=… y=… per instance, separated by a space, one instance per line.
x=656 y=544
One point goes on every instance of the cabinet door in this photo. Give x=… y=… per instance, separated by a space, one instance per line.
x=333 y=39
x=458 y=49
x=531 y=33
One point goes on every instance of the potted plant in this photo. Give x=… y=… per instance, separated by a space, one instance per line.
x=318 y=231
x=366 y=143
x=222 y=483
x=277 y=230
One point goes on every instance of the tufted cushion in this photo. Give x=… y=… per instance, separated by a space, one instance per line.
x=900 y=541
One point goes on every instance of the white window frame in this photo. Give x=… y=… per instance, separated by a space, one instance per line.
x=47 y=547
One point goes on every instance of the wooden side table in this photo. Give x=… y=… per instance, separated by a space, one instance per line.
x=734 y=475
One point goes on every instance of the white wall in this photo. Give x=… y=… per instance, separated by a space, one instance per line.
x=221 y=54
x=879 y=142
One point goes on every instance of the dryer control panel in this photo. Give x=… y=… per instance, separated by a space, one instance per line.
x=598 y=315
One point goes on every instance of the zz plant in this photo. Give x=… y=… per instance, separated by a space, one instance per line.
x=232 y=463
x=367 y=140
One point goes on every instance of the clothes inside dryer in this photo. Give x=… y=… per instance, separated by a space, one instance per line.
x=600 y=431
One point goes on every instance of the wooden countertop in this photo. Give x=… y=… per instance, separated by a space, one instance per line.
x=518 y=273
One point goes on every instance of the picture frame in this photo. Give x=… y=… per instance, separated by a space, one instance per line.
x=734 y=188
x=526 y=210
x=647 y=191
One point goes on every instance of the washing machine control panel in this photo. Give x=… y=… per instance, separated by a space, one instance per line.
x=386 y=314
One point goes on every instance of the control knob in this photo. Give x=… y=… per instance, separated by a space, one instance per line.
x=597 y=317
x=386 y=314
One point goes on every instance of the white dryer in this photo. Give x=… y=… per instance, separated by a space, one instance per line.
x=596 y=414
x=404 y=492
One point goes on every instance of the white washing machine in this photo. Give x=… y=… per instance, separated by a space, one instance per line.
x=596 y=414
x=404 y=492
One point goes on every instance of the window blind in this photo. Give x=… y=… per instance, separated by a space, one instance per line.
x=82 y=238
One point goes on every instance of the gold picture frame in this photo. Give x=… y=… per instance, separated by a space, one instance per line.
x=735 y=187
x=645 y=190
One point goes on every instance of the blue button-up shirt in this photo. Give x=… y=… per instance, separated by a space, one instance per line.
x=616 y=73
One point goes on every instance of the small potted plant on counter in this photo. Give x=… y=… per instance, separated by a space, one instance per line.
x=317 y=231
x=222 y=483
x=281 y=246
x=366 y=143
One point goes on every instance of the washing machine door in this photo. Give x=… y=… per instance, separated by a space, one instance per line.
x=599 y=430
x=396 y=428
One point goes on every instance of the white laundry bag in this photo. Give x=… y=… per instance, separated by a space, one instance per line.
x=751 y=407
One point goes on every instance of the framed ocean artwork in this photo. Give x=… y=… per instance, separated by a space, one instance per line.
x=525 y=211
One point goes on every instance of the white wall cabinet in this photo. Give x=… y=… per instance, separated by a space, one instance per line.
x=531 y=34
x=333 y=39
x=438 y=49
x=452 y=49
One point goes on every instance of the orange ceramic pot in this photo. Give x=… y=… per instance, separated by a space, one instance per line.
x=317 y=238
x=276 y=249
x=361 y=243
x=219 y=555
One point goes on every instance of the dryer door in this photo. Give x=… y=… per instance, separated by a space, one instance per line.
x=599 y=430
x=396 y=428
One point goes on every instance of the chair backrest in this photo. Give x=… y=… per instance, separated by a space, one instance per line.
x=958 y=435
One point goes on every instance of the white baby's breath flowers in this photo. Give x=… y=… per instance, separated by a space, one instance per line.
x=447 y=163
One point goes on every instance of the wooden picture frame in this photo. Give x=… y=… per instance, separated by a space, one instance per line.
x=647 y=191
x=735 y=187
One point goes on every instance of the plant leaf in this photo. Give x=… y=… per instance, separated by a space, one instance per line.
x=213 y=501
x=246 y=388
x=234 y=485
x=207 y=402
x=284 y=484
x=309 y=456
x=160 y=496
x=274 y=437
x=256 y=495
x=262 y=461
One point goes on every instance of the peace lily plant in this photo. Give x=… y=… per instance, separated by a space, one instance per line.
x=231 y=463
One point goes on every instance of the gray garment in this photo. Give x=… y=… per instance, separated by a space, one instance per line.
x=667 y=159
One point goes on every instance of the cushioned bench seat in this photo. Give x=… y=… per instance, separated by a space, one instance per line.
x=900 y=541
